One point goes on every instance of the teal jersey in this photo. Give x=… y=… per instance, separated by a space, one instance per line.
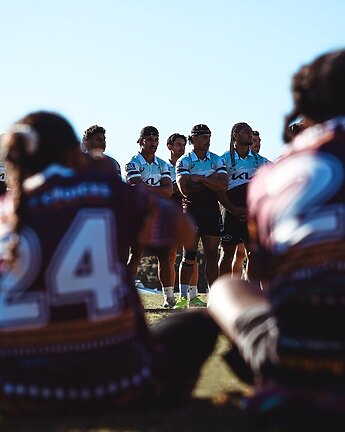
x=241 y=170
x=191 y=164
x=150 y=173
x=206 y=200
x=172 y=172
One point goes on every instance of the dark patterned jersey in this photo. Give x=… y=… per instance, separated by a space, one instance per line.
x=297 y=227
x=71 y=322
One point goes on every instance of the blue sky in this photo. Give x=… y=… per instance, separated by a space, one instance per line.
x=125 y=64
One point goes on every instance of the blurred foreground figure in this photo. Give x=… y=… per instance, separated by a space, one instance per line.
x=72 y=329
x=289 y=339
x=94 y=143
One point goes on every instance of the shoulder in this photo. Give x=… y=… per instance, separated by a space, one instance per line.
x=132 y=164
x=225 y=156
x=218 y=161
x=161 y=162
x=216 y=157
x=262 y=160
x=183 y=164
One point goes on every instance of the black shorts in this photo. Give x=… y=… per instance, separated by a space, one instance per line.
x=206 y=223
x=233 y=230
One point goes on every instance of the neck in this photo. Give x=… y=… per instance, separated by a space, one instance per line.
x=149 y=157
x=200 y=153
x=241 y=150
x=173 y=159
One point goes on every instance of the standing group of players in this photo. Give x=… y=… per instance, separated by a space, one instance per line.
x=212 y=191
x=73 y=333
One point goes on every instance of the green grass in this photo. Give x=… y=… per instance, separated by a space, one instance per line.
x=215 y=379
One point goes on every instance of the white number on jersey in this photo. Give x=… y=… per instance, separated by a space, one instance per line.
x=299 y=188
x=83 y=269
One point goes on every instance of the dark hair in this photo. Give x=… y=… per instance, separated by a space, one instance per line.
x=93 y=130
x=174 y=136
x=88 y=134
x=31 y=144
x=318 y=90
x=237 y=127
x=256 y=133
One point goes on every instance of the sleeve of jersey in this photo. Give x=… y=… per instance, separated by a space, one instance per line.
x=220 y=166
x=182 y=167
x=132 y=170
x=165 y=171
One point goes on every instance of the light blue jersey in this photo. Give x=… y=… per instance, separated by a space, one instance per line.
x=191 y=164
x=150 y=173
x=241 y=170
x=172 y=172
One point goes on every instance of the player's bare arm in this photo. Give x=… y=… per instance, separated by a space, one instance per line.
x=216 y=182
x=165 y=189
x=187 y=185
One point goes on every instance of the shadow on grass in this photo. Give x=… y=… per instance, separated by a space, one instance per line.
x=196 y=415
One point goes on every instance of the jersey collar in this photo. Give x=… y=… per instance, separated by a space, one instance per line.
x=143 y=161
x=195 y=158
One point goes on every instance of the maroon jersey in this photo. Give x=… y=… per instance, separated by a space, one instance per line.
x=297 y=227
x=71 y=322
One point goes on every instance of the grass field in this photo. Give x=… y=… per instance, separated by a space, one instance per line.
x=212 y=407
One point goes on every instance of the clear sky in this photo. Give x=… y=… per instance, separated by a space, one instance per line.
x=125 y=64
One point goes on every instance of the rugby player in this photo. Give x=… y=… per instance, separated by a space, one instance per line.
x=152 y=173
x=241 y=164
x=73 y=335
x=290 y=337
x=176 y=144
x=200 y=175
x=94 y=143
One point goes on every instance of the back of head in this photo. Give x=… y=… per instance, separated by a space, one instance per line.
x=33 y=143
x=87 y=142
x=318 y=90
x=38 y=140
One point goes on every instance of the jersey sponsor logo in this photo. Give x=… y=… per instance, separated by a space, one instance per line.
x=152 y=182
x=130 y=166
x=242 y=176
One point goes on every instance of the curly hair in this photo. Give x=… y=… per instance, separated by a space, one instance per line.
x=318 y=90
x=93 y=130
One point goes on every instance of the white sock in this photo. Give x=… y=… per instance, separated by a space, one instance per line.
x=193 y=292
x=184 y=290
x=168 y=292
